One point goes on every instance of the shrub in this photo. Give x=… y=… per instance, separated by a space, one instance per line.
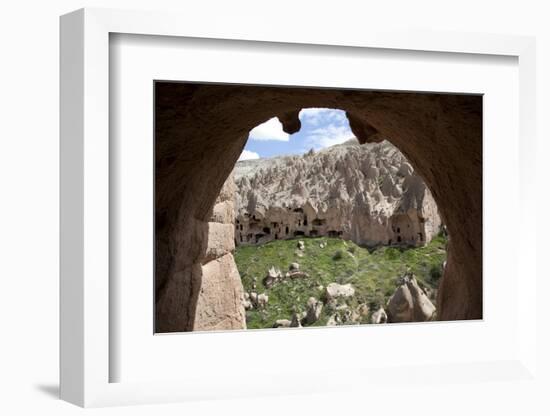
x=391 y=253
x=338 y=255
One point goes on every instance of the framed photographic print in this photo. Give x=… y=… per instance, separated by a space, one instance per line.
x=287 y=209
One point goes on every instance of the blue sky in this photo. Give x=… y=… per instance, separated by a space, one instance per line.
x=321 y=127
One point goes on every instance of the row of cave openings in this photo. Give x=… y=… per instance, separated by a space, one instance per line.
x=279 y=233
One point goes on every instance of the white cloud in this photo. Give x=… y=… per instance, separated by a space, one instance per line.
x=315 y=116
x=248 y=155
x=272 y=129
x=325 y=127
x=329 y=135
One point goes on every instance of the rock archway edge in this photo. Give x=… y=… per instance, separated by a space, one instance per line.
x=200 y=131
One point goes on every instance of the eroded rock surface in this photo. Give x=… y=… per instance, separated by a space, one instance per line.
x=313 y=310
x=379 y=317
x=368 y=194
x=409 y=303
x=221 y=299
x=334 y=291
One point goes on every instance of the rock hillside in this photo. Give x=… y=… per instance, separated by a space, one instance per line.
x=366 y=193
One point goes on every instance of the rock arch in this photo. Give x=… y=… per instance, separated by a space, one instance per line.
x=200 y=131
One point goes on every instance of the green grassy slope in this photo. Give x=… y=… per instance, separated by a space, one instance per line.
x=374 y=275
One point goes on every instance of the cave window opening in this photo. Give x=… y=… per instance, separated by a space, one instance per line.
x=305 y=220
x=286 y=230
x=266 y=230
x=398 y=238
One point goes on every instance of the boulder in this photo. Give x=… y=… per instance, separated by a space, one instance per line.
x=273 y=276
x=301 y=245
x=335 y=290
x=409 y=303
x=363 y=310
x=313 y=310
x=297 y=275
x=296 y=319
x=282 y=323
x=379 y=317
x=294 y=267
x=334 y=320
x=262 y=300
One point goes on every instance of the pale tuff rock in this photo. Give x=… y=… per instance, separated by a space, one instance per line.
x=334 y=320
x=379 y=317
x=313 y=310
x=219 y=305
x=294 y=267
x=368 y=194
x=273 y=276
x=335 y=290
x=363 y=310
x=409 y=303
x=221 y=299
x=262 y=301
x=296 y=320
x=247 y=303
x=282 y=323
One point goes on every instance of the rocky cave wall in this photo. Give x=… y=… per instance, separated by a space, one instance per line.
x=200 y=131
x=219 y=303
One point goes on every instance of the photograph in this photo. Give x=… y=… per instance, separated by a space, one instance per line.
x=293 y=207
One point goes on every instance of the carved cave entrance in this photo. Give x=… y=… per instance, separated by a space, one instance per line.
x=200 y=131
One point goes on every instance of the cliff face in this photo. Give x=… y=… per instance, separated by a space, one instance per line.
x=368 y=194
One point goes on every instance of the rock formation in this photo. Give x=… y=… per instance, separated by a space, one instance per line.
x=313 y=310
x=409 y=303
x=379 y=317
x=334 y=291
x=368 y=194
x=221 y=301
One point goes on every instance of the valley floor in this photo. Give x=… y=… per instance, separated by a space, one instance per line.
x=374 y=275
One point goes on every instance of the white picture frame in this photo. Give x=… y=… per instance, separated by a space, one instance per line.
x=85 y=178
